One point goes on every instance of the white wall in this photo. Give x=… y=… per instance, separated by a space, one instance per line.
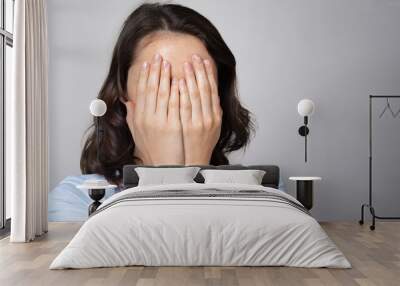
x=334 y=52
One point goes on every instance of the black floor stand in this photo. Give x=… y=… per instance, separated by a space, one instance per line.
x=369 y=205
x=374 y=216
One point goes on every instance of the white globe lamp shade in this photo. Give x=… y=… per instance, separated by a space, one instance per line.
x=305 y=107
x=98 y=107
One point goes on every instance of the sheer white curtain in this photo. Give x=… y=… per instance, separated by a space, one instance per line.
x=26 y=123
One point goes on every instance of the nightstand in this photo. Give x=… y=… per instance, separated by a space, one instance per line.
x=304 y=190
x=96 y=190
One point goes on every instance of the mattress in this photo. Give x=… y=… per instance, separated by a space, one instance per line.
x=200 y=225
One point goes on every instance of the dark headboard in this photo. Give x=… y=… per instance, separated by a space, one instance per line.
x=270 y=179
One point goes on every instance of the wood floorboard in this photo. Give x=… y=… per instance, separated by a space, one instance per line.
x=374 y=255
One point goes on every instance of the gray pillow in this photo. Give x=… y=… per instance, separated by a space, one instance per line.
x=161 y=176
x=248 y=177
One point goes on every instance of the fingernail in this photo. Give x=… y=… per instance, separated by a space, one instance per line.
x=195 y=57
x=165 y=64
x=145 y=64
x=157 y=57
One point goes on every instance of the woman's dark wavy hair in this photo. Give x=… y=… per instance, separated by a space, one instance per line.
x=117 y=146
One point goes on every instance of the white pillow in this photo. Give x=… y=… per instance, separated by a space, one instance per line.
x=248 y=177
x=161 y=176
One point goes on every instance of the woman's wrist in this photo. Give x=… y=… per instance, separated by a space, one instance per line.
x=203 y=160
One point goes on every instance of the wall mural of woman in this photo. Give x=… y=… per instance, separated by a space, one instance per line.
x=171 y=99
x=171 y=95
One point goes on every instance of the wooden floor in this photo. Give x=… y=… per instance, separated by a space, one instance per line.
x=375 y=257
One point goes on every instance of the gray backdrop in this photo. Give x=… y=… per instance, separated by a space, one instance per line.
x=333 y=52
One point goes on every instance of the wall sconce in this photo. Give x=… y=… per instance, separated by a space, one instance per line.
x=305 y=108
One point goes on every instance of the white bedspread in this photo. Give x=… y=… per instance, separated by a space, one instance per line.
x=190 y=230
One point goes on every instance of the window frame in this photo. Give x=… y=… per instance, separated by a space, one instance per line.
x=6 y=39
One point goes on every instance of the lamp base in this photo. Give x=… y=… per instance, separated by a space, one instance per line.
x=96 y=195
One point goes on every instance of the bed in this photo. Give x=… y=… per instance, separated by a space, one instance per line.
x=201 y=224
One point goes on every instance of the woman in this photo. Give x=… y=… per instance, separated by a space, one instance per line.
x=171 y=96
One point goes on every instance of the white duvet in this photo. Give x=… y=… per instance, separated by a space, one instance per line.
x=188 y=231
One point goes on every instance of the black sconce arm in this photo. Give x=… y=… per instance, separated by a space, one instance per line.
x=304 y=131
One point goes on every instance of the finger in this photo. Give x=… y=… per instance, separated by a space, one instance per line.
x=184 y=103
x=173 y=104
x=141 y=87
x=212 y=80
x=203 y=86
x=193 y=91
x=164 y=90
x=152 y=85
